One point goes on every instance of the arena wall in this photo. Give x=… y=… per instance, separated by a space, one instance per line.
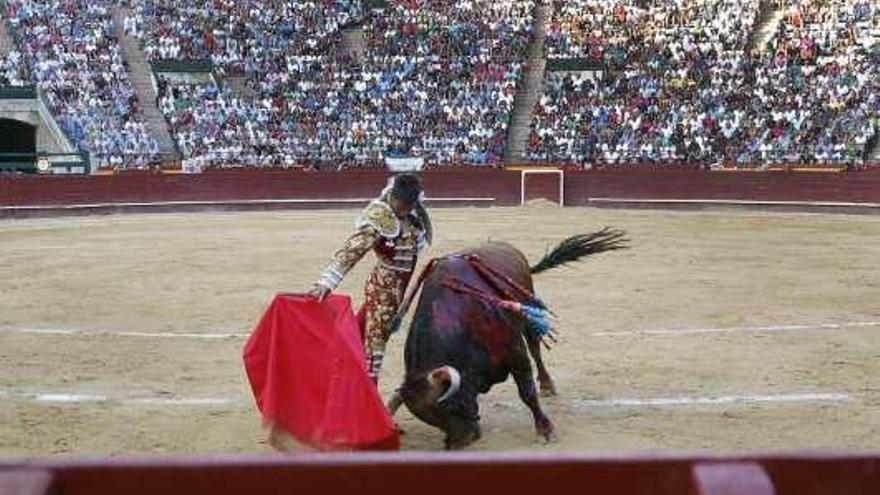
x=772 y=474
x=236 y=188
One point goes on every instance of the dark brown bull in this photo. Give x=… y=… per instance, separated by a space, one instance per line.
x=465 y=337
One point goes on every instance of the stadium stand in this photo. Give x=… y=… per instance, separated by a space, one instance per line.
x=679 y=82
x=239 y=36
x=682 y=85
x=75 y=61
x=437 y=81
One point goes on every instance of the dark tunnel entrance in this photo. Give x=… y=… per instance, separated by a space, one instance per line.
x=18 y=146
x=17 y=137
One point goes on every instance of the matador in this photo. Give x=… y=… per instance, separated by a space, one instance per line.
x=397 y=228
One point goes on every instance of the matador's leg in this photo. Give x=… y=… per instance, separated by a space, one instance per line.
x=376 y=337
x=384 y=292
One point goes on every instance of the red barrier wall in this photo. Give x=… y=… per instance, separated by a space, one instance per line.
x=219 y=186
x=856 y=187
x=244 y=185
x=427 y=474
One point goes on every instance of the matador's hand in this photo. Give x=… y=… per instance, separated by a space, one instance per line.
x=319 y=292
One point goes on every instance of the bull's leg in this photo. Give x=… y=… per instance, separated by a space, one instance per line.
x=393 y=405
x=394 y=402
x=525 y=383
x=548 y=388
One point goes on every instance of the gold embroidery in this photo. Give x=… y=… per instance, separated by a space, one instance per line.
x=381 y=217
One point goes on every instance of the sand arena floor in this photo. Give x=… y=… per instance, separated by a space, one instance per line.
x=723 y=329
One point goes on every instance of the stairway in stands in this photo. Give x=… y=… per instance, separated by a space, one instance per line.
x=140 y=75
x=239 y=86
x=7 y=44
x=529 y=89
x=767 y=25
x=352 y=43
x=873 y=152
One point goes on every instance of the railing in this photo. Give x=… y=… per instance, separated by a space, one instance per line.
x=45 y=163
x=18 y=92
x=43 y=108
x=199 y=66
x=805 y=157
x=18 y=162
x=375 y=4
x=575 y=65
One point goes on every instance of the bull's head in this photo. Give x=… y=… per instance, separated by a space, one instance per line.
x=429 y=397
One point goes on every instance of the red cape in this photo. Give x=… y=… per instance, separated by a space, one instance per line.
x=305 y=363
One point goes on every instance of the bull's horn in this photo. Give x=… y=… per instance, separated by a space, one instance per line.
x=444 y=374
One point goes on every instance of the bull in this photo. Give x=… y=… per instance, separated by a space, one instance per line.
x=476 y=322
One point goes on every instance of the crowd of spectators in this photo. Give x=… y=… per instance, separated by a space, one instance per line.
x=437 y=81
x=681 y=83
x=327 y=110
x=652 y=103
x=452 y=28
x=13 y=70
x=683 y=80
x=76 y=62
x=239 y=35
x=818 y=83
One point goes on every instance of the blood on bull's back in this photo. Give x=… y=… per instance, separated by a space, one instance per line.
x=452 y=328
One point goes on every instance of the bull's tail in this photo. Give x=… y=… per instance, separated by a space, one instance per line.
x=580 y=246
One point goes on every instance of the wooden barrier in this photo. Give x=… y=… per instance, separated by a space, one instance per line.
x=267 y=189
x=427 y=474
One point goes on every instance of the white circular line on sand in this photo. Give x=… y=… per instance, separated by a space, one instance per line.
x=175 y=335
x=84 y=398
x=150 y=335
x=69 y=398
x=182 y=401
x=45 y=331
x=711 y=401
x=620 y=333
x=613 y=402
x=760 y=329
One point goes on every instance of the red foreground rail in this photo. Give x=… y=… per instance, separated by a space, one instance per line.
x=775 y=474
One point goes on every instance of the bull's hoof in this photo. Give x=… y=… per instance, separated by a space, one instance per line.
x=447 y=445
x=463 y=441
x=550 y=436
x=547 y=431
x=548 y=390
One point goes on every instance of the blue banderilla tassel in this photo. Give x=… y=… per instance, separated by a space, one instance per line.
x=537 y=319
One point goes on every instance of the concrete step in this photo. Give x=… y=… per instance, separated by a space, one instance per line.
x=141 y=77
x=7 y=43
x=239 y=86
x=353 y=43
x=529 y=90
x=770 y=19
x=874 y=147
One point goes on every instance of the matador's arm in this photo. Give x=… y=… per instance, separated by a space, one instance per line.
x=357 y=245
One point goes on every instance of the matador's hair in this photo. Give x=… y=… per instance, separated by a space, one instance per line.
x=407 y=188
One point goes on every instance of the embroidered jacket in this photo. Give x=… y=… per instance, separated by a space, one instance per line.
x=396 y=243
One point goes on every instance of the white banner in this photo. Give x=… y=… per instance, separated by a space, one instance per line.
x=408 y=164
